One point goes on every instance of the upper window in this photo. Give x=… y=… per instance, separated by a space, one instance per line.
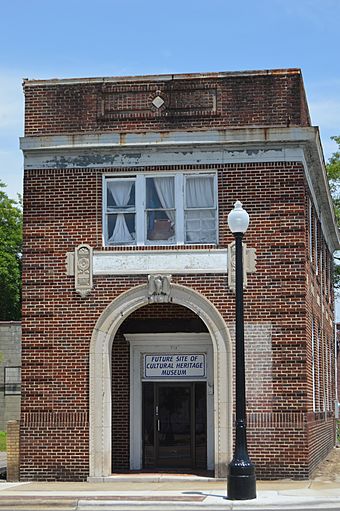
x=160 y=209
x=121 y=210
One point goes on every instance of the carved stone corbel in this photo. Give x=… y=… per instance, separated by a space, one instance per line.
x=83 y=270
x=159 y=288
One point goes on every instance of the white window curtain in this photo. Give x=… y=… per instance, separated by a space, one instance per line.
x=200 y=192
x=166 y=194
x=200 y=223
x=120 y=191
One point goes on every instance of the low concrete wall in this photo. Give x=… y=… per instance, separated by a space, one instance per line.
x=10 y=357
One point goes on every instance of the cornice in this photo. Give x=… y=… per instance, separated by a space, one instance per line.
x=240 y=145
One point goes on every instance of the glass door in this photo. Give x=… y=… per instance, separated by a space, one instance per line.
x=174 y=442
x=174 y=425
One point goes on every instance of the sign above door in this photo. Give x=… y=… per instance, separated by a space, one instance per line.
x=169 y=365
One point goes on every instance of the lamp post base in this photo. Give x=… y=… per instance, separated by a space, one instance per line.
x=241 y=482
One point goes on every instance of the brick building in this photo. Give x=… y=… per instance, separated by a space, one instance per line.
x=128 y=314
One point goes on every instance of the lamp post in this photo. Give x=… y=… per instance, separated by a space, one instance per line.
x=241 y=471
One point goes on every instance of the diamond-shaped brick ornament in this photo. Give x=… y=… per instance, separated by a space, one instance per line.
x=158 y=102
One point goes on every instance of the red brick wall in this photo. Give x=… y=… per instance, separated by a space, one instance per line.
x=63 y=208
x=54 y=446
x=270 y=98
x=279 y=452
x=120 y=403
x=319 y=324
x=321 y=438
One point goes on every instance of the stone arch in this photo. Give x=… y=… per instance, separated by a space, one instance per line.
x=100 y=374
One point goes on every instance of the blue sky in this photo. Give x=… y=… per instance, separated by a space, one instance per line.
x=48 y=39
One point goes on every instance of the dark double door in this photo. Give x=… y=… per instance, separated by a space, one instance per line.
x=174 y=425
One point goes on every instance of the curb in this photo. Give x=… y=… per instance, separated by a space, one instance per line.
x=37 y=503
x=167 y=503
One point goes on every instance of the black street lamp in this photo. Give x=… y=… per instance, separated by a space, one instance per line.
x=241 y=471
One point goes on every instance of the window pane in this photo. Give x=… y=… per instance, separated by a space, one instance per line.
x=121 y=228
x=160 y=193
x=200 y=192
x=161 y=214
x=121 y=199
x=160 y=226
x=120 y=194
x=12 y=380
x=200 y=226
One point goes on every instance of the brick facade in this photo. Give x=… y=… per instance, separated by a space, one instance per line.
x=191 y=102
x=288 y=300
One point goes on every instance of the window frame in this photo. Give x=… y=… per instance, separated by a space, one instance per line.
x=123 y=210
x=316 y=243
x=310 y=229
x=17 y=384
x=213 y=208
x=145 y=210
x=313 y=365
x=141 y=210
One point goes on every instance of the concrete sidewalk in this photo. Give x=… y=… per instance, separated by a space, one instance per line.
x=169 y=493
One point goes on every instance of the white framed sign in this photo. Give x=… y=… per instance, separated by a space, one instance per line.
x=179 y=365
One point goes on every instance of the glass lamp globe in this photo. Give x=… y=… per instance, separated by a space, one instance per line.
x=238 y=218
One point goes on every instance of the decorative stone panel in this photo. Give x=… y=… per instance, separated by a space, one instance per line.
x=146 y=101
x=83 y=270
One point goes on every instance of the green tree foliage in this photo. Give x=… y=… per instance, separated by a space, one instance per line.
x=333 y=172
x=10 y=256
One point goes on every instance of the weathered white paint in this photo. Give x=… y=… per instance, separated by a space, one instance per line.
x=127 y=156
x=160 y=261
x=242 y=145
x=173 y=138
x=152 y=262
x=100 y=374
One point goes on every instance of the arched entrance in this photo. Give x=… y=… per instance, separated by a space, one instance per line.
x=100 y=374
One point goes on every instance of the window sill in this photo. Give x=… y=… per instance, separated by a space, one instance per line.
x=161 y=245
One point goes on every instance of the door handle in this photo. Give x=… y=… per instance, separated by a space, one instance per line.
x=158 y=425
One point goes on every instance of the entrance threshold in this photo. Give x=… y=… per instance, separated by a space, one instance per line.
x=157 y=477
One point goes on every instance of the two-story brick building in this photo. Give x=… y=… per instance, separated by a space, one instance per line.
x=128 y=315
